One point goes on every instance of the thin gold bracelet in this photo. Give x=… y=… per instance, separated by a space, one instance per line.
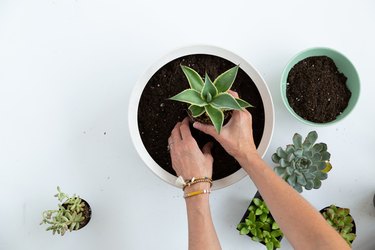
x=203 y=191
x=197 y=180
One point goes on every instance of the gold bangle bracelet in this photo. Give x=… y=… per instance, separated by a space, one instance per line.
x=197 y=180
x=191 y=194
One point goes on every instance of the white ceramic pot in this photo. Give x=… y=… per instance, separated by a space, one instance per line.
x=209 y=50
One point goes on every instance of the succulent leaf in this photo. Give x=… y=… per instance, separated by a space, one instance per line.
x=281 y=153
x=243 y=103
x=209 y=90
x=311 y=137
x=279 y=171
x=317 y=183
x=194 y=79
x=289 y=149
x=301 y=180
x=190 y=96
x=216 y=116
x=298 y=187
x=283 y=163
x=196 y=110
x=224 y=81
x=309 y=184
x=297 y=140
x=225 y=101
x=275 y=158
x=289 y=170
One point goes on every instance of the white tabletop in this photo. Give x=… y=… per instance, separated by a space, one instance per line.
x=67 y=68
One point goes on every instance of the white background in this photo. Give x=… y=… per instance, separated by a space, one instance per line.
x=67 y=68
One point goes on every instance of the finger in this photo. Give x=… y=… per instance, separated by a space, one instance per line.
x=233 y=93
x=175 y=135
x=207 y=129
x=184 y=128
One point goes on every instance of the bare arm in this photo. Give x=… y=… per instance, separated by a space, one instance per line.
x=303 y=225
x=189 y=161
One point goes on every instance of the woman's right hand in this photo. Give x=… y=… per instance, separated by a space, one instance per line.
x=236 y=136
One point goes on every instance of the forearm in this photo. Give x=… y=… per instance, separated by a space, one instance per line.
x=202 y=234
x=304 y=227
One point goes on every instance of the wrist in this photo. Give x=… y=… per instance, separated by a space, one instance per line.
x=247 y=159
x=200 y=198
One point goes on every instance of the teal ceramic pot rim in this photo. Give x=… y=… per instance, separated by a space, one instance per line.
x=344 y=66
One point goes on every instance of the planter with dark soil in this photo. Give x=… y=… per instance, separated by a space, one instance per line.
x=320 y=86
x=152 y=116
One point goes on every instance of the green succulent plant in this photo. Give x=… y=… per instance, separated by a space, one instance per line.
x=260 y=225
x=341 y=220
x=303 y=164
x=68 y=216
x=210 y=98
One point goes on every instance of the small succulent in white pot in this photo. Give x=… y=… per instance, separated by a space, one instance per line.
x=210 y=98
x=73 y=213
x=303 y=164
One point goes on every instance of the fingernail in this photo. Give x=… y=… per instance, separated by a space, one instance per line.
x=195 y=124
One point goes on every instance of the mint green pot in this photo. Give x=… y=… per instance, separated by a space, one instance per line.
x=344 y=66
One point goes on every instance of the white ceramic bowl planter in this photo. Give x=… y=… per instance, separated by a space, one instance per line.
x=207 y=50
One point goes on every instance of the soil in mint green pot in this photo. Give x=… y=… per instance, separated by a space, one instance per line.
x=157 y=115
x=316 y=90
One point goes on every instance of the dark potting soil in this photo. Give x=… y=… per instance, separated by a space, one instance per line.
x=157 y=115
x=316 y=90
x=86 y=213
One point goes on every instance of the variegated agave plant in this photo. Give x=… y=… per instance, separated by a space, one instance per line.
x=210 y=98
x=303 y=164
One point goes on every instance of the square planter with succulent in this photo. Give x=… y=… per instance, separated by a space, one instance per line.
x=153 y=112
x=259 y=224
x=72 y=213
x=303 y=164
x=341 y=220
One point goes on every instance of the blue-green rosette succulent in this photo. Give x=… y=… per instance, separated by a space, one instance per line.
x=303 y=164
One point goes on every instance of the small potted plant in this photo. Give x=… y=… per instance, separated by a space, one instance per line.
x=73 y=213
x=259 y=224
x=303 y=164
x=341 y=220
x=209 y=100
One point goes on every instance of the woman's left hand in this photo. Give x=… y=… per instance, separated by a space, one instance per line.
x=187 y=159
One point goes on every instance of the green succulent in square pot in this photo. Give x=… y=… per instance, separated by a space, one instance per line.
x=303 y=164
x=341 y=220
x=259 y=224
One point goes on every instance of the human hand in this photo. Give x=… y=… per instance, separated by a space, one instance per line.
x=187 y=159
x=236 y=136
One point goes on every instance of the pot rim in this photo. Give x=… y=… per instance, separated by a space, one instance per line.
x=209 y=50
